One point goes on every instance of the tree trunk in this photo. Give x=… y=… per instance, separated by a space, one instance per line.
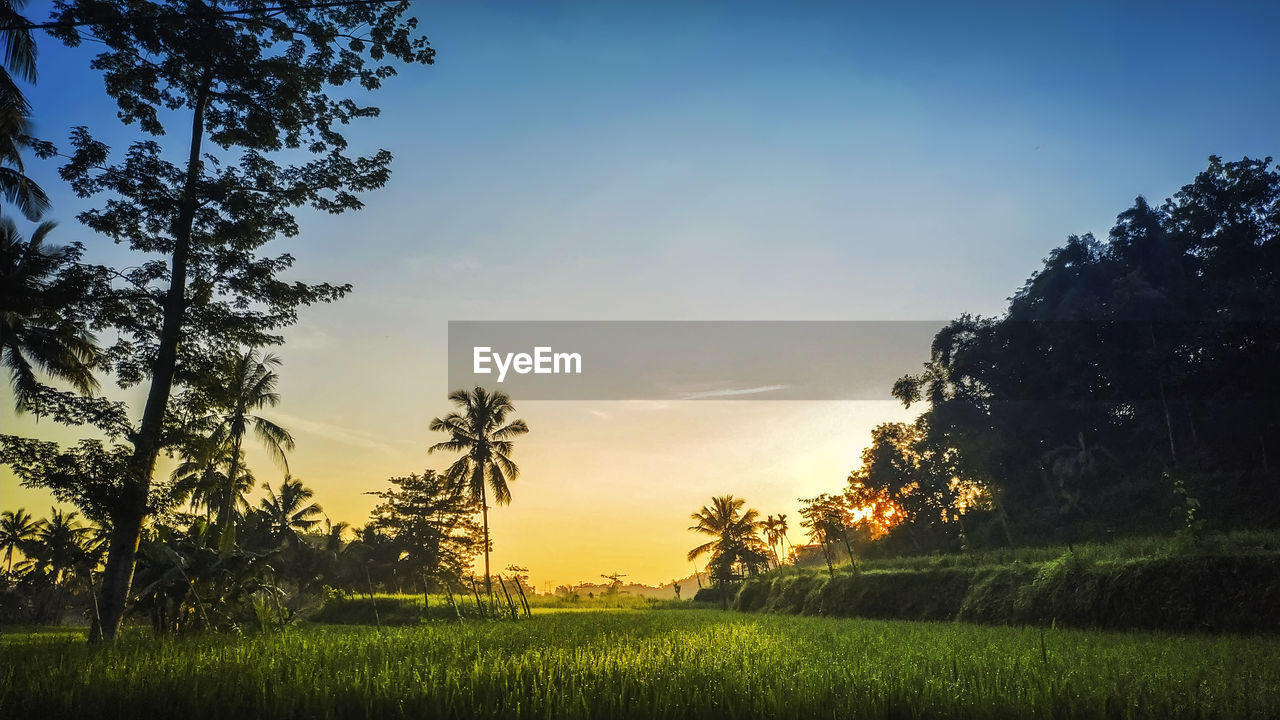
x=844 y=534
x=226 y=526
x=488 y=582
x=831 y=569
x=129 y=514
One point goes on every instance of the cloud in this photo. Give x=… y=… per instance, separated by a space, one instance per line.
x=732 y=393
x=348 y=436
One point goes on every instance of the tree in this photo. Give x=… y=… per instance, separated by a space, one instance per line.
x=244 y=382
x=252 y=84
x=59 y=547
x=482 y=432
x=775 y=532
x=202 y=476
x=291 y=511
x=17 y=531
x=38 y=283
x=1157 y=342
x=824 y=516
x=430 y=523
x=17 y=57
x=736 y=549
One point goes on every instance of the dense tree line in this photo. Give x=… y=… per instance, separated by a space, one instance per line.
x=1130 y=386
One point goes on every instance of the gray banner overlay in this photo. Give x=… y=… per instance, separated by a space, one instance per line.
x=687 y=360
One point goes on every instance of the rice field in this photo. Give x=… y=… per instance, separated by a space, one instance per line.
x=643 y=664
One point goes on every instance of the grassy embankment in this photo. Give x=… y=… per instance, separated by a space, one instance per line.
x=1223 y=583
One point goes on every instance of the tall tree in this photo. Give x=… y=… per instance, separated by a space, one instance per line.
x=481 y=431
x=252 y=85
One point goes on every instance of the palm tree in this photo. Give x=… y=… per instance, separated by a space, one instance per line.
x=33 y=331
x=734 y=542
x=289 y=512
x=17 y=57
x=481 y=431
x=17 y=531
x=775 y=530
x=200 y=479
x=782 y=531
x=244 y=384
x=59 y=544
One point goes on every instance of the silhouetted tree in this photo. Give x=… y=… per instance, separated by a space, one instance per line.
x=17 y=531
x=37 y=284
x=735 y=548
x=251 y=86
x=428 y=523
x=481 y=431
x=243 y=384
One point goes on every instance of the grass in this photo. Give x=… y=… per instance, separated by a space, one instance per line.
x=645 y=664
x=404 y=609
x=1121 y=549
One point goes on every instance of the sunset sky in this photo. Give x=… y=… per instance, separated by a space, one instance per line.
x=735 y=161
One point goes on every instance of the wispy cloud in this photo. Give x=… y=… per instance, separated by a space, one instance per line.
x=732 y=393
x=330 y=431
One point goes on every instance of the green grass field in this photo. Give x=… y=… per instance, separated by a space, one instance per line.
x=643 y=664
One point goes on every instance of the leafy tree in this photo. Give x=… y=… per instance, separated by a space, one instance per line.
x=429 y=523
x=1156 y=343
x=825 y=517
x=482 y=432
x=251 y=86
x=58 y=549
x=89 y=475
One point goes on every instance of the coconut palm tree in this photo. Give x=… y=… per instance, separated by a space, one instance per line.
x=200 y=479
x=290 y=512
x=17 y=57
x=782 y=531
x=34 y=333
x=245 y=383
x=480 y=430
x=59 y=544
x=775 y=530
x=734 y=541
x=17 y=531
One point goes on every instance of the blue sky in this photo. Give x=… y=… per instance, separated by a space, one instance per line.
x=716 y=161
